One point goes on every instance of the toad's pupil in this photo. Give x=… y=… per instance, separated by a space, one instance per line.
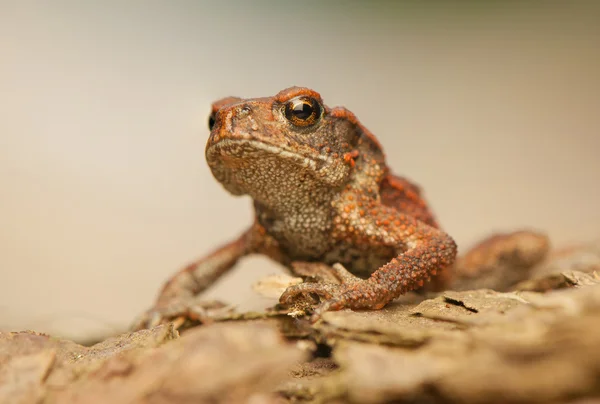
x=302 y=110
x=211 y=122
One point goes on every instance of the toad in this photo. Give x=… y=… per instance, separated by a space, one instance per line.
x=323 y=195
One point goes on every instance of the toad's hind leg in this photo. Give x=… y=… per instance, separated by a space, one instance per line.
x=406 y=197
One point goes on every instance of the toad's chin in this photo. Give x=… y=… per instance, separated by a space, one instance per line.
x=250 y=166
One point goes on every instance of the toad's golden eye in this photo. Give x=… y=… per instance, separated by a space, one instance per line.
x=303 y=111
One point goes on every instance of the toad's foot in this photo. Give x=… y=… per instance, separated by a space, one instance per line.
x=179 y=311
x=348 y=292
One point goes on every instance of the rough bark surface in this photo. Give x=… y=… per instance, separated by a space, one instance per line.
x=534 y=340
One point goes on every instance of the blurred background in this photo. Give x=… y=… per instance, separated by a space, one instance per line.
x=492 y=107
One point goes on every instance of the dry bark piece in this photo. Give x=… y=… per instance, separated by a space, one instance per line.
x=577 y=278
x=32 y=362
x=274 y=285
x=376 y=374
x=393 y=325
x=288 y=326
x=305 y=383
x=226 y=363
x=564 y=363
x=71 y=359
x=469 y=307
x=541 y=349
x=582 y=258
x=22 y=377
x=561 y=280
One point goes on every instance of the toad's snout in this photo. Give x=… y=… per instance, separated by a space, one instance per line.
x=236 y=122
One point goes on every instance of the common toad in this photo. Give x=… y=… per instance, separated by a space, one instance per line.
x=323 y=195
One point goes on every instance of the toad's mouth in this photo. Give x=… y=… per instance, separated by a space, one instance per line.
x=228 y=150
x=245 y=165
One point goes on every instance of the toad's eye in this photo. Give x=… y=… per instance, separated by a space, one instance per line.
x=211 y=121
x=303 y=111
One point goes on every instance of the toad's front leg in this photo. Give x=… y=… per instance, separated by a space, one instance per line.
x=180 y=298
x=423 y=251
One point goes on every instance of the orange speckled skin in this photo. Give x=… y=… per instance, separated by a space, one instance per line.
x=322 y=194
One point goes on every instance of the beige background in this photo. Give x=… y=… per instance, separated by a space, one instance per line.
x=105 y=192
